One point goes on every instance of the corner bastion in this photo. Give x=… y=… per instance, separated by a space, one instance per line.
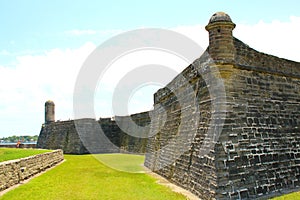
x=242 y=137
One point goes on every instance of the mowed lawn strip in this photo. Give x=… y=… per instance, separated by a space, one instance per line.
x=292 y=196
x=123 y=162
x=13 y=153
x=84 y=177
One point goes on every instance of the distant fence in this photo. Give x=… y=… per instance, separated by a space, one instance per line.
x=15 y=171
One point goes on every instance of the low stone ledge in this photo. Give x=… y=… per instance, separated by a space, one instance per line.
x=14 y=171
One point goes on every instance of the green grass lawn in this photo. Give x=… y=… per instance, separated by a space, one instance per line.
x=292 y=196
x=13 y=153
x=83 y=177
x=122 y=162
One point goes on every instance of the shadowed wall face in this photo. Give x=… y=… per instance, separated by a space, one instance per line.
x=84 y=136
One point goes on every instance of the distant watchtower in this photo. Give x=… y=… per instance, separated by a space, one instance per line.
x=49 y=112
x=221 y=47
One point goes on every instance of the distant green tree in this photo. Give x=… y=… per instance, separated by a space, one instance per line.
x=23 y=138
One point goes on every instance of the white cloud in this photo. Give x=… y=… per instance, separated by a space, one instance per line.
x=196 y=33
x=35 y=79
x=276 y=38
x=128 y=65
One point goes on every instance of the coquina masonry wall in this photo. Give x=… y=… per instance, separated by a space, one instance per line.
x=14 y=171
x=182 y=124
x=256 y=155
x=259 y=155
x=84 y=136
x=227 y=127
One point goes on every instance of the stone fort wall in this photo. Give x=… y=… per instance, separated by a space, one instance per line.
x=256 y=154
x=227 y=127
x=84 y=136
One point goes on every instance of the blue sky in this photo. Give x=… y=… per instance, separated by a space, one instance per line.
x=38 y=37
x=34 y=26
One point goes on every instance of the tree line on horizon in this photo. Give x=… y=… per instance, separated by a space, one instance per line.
x=22 y=139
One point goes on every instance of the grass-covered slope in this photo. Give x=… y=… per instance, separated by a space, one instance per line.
x=12 y=153
x=84 y=177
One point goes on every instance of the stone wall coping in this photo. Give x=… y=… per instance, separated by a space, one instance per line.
x=28 y=157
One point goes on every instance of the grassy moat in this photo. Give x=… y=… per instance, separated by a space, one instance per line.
x=85 y=177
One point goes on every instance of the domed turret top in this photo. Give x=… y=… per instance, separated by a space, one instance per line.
x=220 y=17
x=49 y=102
